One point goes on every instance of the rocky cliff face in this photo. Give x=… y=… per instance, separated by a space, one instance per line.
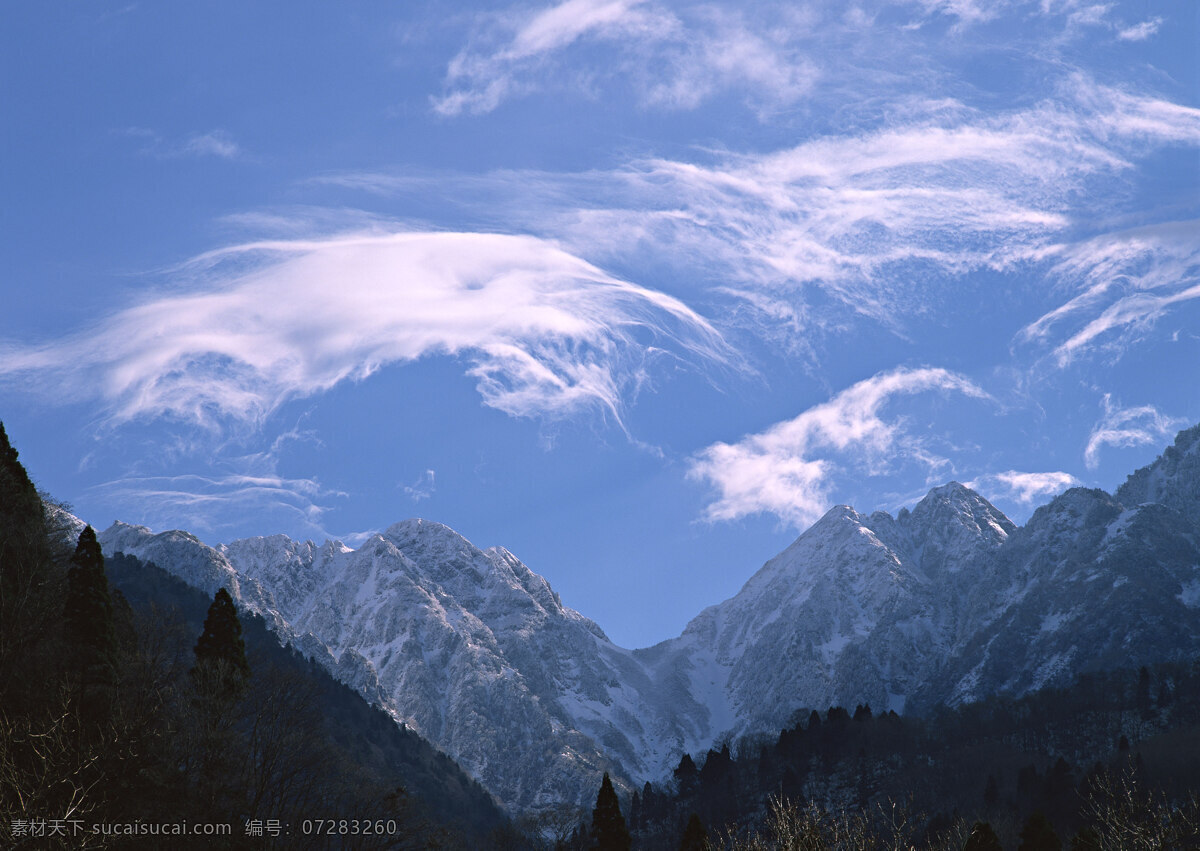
x=858 y=610
x=943 y=604
x=470 y=648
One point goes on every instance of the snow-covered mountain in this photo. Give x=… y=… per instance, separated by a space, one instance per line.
x=469 y=647
x=943 y=604
x=858 y=609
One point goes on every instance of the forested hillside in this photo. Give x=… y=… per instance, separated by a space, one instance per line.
x=117 y=720
x=1114 y=752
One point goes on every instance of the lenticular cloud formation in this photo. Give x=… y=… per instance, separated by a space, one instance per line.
x=545 y=333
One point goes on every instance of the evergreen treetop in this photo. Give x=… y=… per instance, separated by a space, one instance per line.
x=609 y=832
x=21 y=501
x=88 y=609
x=695 y=836
x=1038 y=834
x=22 y=519
x=983 y=838
x=220 y=645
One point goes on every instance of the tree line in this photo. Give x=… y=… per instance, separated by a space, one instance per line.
x=160 y=711
x=1111 y=762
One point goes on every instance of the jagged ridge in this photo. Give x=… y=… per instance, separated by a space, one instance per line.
x=944 y=604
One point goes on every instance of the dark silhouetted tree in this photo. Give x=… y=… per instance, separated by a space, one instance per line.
x=30 y=590
x=687 y=776
x=983 y=838
x=1038 y=834
x=609 y=832
x=88 y=609
x=651 y=805
x=21 y=515
x=220 y=651
x=837 y=715
x=695 y=836
x=717 y=767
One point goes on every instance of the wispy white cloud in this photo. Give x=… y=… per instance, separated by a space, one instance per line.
x=423 y=487
x=1023 y=488
x=1122 y=283
x=557 y=26
x=1127 y=427
x=210 y=504
x=1142 y=31
x=966 y=12
x=788 y=469
x=676 y=58
x=866 y=218
x=214 y=143
x=876 y=220
x=479 y=80
x=230 y=486
x=724 y=50
x=679 y=53
x=252 y=326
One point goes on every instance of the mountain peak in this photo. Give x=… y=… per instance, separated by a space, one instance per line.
x=1172 y=479
x=960 y=499
x=419 y=527
x=835 y=518
x=951 y=525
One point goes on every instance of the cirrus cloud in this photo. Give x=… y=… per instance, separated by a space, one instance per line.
x=252 y=326
x=1120 y=427
x=878 y=220
x=1123 y=282
x=676 y=58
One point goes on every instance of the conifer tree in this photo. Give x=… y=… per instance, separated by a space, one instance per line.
x=687 y=776
x=26 y=614
x=88 y=609
x=695 y=837
x=717 y=766
x=1038 y=834
x=21 y=506
x=837 y=715
x=221 y=648
x=650 y=801
x=983 y=838
x=609 y=832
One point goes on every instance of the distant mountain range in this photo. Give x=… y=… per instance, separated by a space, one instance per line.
x=944 y=604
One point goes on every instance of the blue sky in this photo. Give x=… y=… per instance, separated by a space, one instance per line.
x=635 y=289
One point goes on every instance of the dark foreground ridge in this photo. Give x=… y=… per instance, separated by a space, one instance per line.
x=119 y=727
